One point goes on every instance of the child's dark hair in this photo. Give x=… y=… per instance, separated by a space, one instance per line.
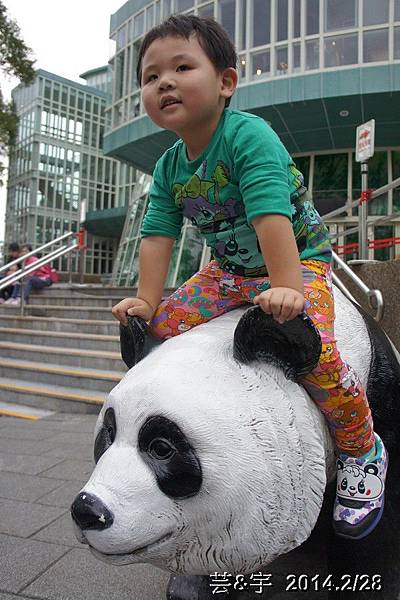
x=211 y=36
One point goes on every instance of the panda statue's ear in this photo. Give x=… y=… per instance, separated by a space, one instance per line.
x=294 y=346
x=136 y=341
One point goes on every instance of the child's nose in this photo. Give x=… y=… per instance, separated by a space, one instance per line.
x=166 y=82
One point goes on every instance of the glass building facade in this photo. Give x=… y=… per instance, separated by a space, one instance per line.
x=313 y=69
x=58 y=164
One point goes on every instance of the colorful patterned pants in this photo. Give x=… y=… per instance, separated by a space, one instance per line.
x=333 y=384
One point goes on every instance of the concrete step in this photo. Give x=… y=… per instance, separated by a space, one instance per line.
x=59 y=324
x=66 y=376
x=75 y=300
x=20 y=411
x=72 y=312
x=98 y=291
x=50 y=397
x=74 y=357
x=70 y=339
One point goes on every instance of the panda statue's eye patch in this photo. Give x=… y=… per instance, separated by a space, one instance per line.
x=106 y=435
x=168 y=453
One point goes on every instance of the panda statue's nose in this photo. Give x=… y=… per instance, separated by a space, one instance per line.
x=89 y=512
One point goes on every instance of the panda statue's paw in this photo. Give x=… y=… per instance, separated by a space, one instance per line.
x=136 y=341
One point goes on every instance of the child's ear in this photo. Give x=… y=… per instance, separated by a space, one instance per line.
x=228 y=82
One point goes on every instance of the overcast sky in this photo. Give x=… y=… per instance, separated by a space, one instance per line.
x=67 y=38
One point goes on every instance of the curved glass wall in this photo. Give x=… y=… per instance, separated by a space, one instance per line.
x=274 y=38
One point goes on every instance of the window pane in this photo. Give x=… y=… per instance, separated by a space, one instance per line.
x=261 y=22
x=206 y=11
x=330 y=192
x=396 y=175
x=242 y=67
x=312 y=16
x=243 y=21
x=227 y=12
x=341 y=50
x=303 y=165
x=149 y=17
x=282 y=20
x=312 y=54
x=138 y=25
x=261 y=64
x=340 y=14
x=296 y=57
x=397 y=42
x=296 y=18
x=166 y=8
x=397 y=10
x=377 y=177
x=281 y=61
x=158 y=12
x=191 y=255
x=375 y=12
x=181 y=5
x=375 y=45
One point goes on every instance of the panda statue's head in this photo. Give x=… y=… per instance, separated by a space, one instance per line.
x=204 y=462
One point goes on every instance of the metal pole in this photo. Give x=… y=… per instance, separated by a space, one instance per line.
x=363 y=213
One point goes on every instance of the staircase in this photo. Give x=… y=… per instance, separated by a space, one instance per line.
x=63 y=355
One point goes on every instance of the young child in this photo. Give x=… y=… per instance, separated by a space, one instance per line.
x=232 y=177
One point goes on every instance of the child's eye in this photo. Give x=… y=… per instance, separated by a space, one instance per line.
x=183 y=68
x=151 y=78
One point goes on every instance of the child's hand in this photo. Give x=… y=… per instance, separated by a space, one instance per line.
x=283 y=303
x=133 y=307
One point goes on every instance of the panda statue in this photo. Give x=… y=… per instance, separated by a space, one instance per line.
x=212 y=459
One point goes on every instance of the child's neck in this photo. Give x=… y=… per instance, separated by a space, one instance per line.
x=197 y=140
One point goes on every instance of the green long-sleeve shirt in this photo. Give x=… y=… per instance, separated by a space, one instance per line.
x=244 y=172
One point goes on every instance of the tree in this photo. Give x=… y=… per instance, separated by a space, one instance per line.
x=16 y=60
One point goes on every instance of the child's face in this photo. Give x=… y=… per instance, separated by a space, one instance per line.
x=179 y=69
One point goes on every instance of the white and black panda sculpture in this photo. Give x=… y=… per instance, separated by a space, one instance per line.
x=212 y=458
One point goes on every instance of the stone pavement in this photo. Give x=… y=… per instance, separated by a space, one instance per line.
x=43 y=465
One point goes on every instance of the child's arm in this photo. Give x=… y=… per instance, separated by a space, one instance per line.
x=154 y=257
x=285 y=299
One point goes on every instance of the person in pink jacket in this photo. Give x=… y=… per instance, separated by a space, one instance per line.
x=36 y=280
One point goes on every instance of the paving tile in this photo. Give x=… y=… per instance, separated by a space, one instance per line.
x=25 y=446
x=24 y=519
x=6 y=421
x=22 y=561
x=25 y=488
x=24 y=463
x=72 y=437
x=80 y=451
x=62 y=496
x=79 y=575
x=22 y=431
x=59 y=532
x=70 y=469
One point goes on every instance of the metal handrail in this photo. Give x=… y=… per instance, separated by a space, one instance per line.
x=375 y=194
x=20 y=258
x=14 y=277
x=374 y=296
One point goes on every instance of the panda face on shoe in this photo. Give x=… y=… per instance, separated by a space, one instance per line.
x=358 y=483
x=198 y=461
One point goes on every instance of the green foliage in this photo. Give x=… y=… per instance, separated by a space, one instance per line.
x=15 y=60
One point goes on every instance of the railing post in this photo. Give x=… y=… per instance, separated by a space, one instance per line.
x=22 y=297
x=363 y=213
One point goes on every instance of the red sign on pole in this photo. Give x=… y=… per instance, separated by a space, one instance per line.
x=365 y=141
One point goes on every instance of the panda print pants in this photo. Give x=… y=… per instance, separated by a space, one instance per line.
x=333 y=384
